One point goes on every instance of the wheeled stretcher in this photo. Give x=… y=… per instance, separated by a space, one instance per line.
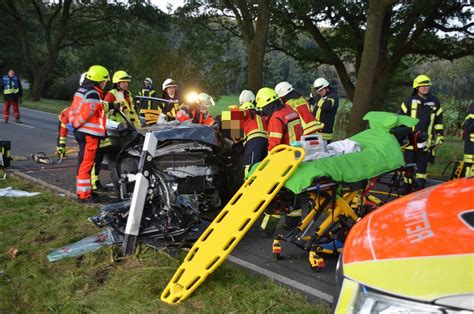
x=380 y=153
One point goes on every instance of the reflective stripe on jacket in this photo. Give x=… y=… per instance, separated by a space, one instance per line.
x=308 y=122
x=284 y=127
x=86 y=112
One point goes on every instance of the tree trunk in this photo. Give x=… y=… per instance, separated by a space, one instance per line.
x=255 y=59
x=365 y=78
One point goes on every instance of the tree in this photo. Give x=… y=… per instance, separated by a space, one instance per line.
x=346 y=33
x=46 y=28
x=248 y=20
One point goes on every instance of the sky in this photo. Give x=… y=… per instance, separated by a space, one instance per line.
x=163 y=4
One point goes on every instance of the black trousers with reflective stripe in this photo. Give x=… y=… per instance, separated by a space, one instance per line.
x=421 y=159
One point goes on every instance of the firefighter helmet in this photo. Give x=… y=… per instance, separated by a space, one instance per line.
x=169 y=83
x=246 y=96
x=320 y=83
x=205 y=101
x=97 y=73
x=283 y=88
x=148 y=80
x=247 y=105
x=121 y=76
x=421 y=80
x=265 y=96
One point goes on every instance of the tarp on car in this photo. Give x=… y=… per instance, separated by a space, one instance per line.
x=187 y=131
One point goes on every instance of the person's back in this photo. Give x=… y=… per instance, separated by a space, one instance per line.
x=289 y=96
x=468 y=134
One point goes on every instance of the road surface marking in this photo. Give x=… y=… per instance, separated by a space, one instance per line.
x=285 y=280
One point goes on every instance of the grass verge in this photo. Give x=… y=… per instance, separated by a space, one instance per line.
x=93 y=283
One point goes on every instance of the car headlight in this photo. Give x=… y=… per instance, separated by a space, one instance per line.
x=371 y=302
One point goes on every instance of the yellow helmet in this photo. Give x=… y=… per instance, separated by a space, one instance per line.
x=421 y=80
x=97 y=73
x=247 y=105
x=121 y=76
x=265 y=95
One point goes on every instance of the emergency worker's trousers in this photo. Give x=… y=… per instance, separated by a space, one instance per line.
x=88 y=146
x=421 y=159
x=6 y=109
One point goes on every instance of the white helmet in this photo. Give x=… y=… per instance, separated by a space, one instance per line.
x=148 y=80
x=283 y=88
x=169 y=83
x=205 y=101
x=320 y=83
x=82 y=78
x=246 y=96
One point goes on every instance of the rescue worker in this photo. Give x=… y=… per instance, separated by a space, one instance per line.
x=63 y=120
x=87 y=120
x=325 y=104
x=284 y=124
x=120 y=96
x=147 y=91
x=12 y=95
x=289 y=96
x=468 y=134
x=255 y=131
x=284 y=127
x=428 y=132
x=170 y=92
x=196 y=110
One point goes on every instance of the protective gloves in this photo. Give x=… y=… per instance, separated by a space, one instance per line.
x=61 y=151
x=439 y=140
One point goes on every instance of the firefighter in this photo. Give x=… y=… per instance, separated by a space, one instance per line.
x=196 y=110
x=427 y=134
x=12 y=94
x=120 y=97
x=63 y=120
x=147 y=91
x=468 y=134
x=170 y=92
x=87 y=120
x=255 y=131
x=284 y=127
x=325 y=104
x=297 y=102
x=284 y=124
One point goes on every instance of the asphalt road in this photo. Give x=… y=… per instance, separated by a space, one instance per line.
x=38 y=133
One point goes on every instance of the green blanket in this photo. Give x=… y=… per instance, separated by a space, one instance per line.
x=380 y=153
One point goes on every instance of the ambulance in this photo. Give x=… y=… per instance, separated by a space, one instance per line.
x=413 y=255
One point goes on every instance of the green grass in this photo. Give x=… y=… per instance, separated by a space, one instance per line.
x=93 y=283
x=451 y=150
x=224 y=102
x=48 y=105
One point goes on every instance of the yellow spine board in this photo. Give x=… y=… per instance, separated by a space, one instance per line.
x=233 y=222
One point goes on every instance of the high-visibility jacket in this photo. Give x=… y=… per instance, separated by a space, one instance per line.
x=148 y=104
x=308 y=122
x=284 y=127
x=12 y=89
x=127 y=107
x=429 y=113
x=254 y=126
x=468 y=133
x=170 y=109
x=86 y=111
x=63 y=118
x=195 y=116
x=325 y=110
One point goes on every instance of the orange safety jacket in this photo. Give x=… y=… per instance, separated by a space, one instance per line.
x=254 y=126
x=284 y=127
x=87 y=112
x=195 y=116
x=63 y=118
x=309 y=124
